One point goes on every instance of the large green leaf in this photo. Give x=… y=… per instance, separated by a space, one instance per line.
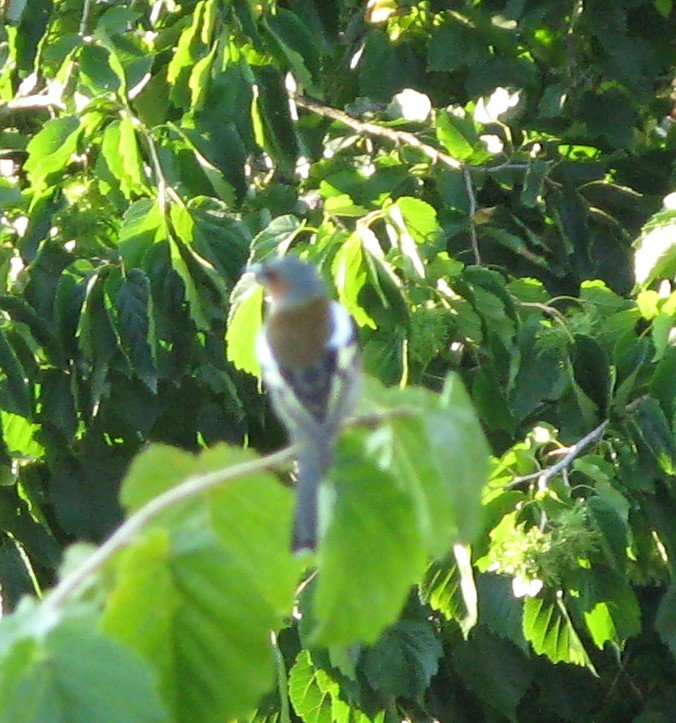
x=76 y=676
x=371 y=542
x=226 y=575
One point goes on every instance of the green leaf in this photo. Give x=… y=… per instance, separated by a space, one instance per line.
x=186 y=53
x=533 y=183
x=95 y=70
x=50 y=150
x=316 y=696
x=439 y=455
x=114 y=686
x=371 y=543
x=312 y=692
x=21 y=436
x=277 y=129
x=483 y=652
x=592 y=371
x=223 y=568
x=655 y=256
x=275 y=238
x=456 y=136
x=96 y=336
x=655 y=431
x=142 y=225
x=120 y=151
x=244 y=324
x=421 y=219
x=23 y=312
x=297 y=44
x=460 y=445
x=404 y=660
x=350 y=272
x=379 y=72
x=613 y=531
x=15 y=383
x=57 y=401
x=610 y=607
x=135 y=325
x=499 y=609
x=440 y=589
x=547 y=625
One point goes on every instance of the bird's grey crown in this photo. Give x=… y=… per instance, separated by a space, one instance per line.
x=304 y=283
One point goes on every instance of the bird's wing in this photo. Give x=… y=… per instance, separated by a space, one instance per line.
x=317 y=396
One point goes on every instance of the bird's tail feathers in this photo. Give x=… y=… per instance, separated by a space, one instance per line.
x=314 y=460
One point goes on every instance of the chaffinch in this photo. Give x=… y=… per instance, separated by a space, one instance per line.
x=310 y=362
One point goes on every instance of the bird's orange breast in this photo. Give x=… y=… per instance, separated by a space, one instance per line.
x=299 y=336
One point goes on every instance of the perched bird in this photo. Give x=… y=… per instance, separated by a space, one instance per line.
x=310 y=362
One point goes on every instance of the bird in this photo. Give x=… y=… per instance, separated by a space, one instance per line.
x=309 y=358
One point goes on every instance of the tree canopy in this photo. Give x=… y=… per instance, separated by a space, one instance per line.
x=487 y=186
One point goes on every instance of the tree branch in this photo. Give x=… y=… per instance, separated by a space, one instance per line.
x=373 y=129
x=544 y=475
x=30 y=102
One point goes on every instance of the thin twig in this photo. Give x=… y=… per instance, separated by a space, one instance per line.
x=472 y=213
x=86 y=7
x=544 y=475
x=373 y=129
x=30 y=102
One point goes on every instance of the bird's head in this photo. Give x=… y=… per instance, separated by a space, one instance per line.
x=290 y=281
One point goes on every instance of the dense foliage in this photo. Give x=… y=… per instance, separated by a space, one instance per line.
x=485 y=185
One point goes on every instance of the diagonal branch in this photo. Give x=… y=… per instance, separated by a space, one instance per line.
x=30 y=102
x=373 y=129
x=544 y=475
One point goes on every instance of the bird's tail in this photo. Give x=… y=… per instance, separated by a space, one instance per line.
x=314 y=460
